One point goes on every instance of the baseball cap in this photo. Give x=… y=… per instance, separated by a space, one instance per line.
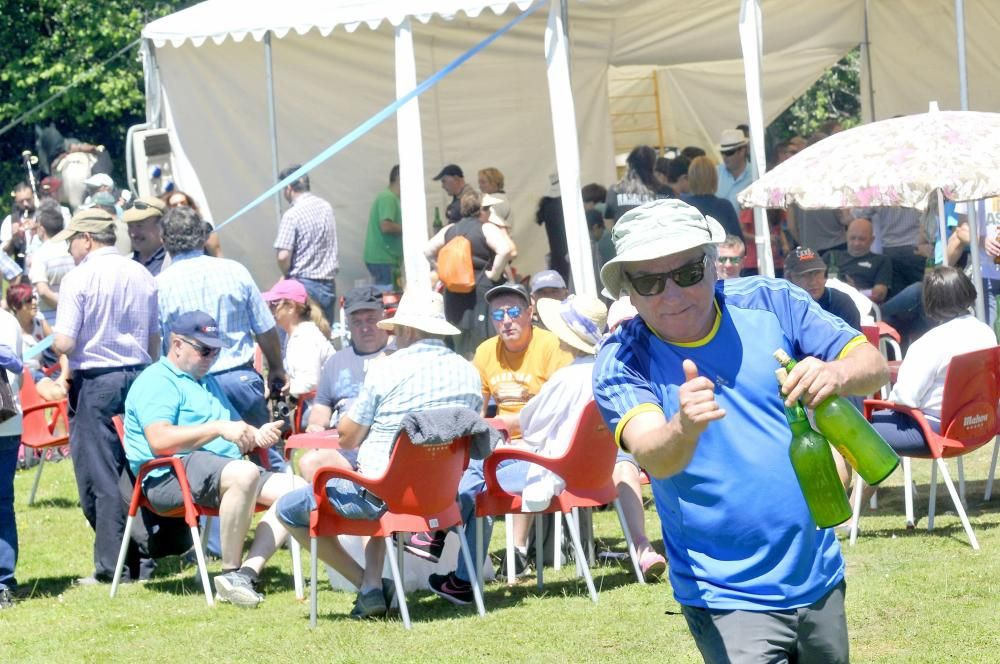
x=803 y=259
x=663 y=227
x=91 y=220
x=142 y=208
x=100 y=180
x=508 y=288
x=286 y=289
x=546 y=279
x=201 y=327
x=450 y=169
x=363 y=297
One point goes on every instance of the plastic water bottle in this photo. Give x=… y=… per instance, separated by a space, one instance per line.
x=852 y=435
x=815 y=468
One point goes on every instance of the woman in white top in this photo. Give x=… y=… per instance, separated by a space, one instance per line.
x=23 y=303
x=308 y=346
x=948 y=296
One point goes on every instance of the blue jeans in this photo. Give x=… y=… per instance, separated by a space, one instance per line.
x=8 y=524
x=381 y=275
x=324 y=293
x=511 y=475
x=350 y=500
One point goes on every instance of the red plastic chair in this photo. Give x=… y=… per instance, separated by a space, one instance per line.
x=41 y=420
x=586 y=467
x=297 y=425
x=189 y=511
x=419 y=488
x=968 y=421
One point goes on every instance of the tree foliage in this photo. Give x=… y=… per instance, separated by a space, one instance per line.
x=835 y=97
x=53 y=46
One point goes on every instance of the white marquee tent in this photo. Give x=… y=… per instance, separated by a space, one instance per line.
x=336 y=63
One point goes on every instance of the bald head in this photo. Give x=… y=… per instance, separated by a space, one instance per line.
x=859 y=237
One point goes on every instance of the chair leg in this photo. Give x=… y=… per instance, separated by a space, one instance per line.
x=574 y=531
x=199 y=554
x=958 y=504
x=38 y=476
x=296 y=551
x=575 y=515
x=481 y=556
x=539 y=551
x=557 y=536
x=908 y=491
x=203 y=539
x=314 y=573
x=932 y=501
x=961 y=479
x=121 y=554
x=873 y=503
x=859 y=489
x=400 y=555
x=397 y=579
x=509 y=529
x=477 y=592
x=633 y=554
x=993 y=469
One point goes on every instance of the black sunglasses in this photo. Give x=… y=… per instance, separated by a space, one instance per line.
x=204 y=351
x=140 y=205
x=685 y=276
x=730 y=153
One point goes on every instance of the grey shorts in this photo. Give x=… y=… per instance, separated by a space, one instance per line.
x=814 y=633
x=204 y=472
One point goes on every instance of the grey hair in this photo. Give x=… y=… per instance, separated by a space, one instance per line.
x=712 y=251
x=183 y=230
x=734 y=242
x=106 y=237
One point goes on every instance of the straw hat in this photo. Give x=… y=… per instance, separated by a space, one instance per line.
x=422 y=310
x=579 y=320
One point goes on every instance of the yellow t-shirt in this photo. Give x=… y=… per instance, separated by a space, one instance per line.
x=514 y=378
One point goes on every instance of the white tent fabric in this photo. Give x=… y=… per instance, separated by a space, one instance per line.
x=334 y=64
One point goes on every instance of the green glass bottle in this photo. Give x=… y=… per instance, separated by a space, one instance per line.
x=852 y=435
x=831 y=271
x=437 y=225
x=815 y=468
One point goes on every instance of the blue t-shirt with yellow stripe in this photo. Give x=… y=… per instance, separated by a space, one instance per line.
x=737 y=529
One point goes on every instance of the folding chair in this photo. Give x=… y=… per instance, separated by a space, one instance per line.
x=586 y=467
x=968 y=421
x=189 y=511
x=418 y=487
x=41 y=420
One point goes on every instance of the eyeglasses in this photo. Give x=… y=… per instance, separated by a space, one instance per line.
x=204 y=351
x=730 y=153
x=141 y=205
x=685 y=276
x=731 y=260
x=513 y=312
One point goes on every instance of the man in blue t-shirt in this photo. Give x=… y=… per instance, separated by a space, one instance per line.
x=688 y=388
x=175 y=407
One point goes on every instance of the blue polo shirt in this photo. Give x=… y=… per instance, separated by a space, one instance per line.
x=164 y=393
x=737 y=529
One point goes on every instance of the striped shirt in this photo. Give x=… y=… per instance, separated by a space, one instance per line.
x=223 y=289
x=422 y=376
x=49 y=264
x=107 y=305
x=308 y=231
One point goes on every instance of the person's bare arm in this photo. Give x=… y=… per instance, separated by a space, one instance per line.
x=665 y=447
x=879 y=293
x=270 y=348
x=497 y=240
x=434 y=245
x=351 y=433
x=153 y=346
x=284 y=261
x=49 y=296
x=166 y=438
x=212 y=245
x=861 y=372
x=63 y=345
x=319 y=418
x=391 y=227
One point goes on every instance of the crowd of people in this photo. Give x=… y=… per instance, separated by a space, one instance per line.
x=165 y=336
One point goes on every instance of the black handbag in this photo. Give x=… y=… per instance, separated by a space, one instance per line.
x=8 y=404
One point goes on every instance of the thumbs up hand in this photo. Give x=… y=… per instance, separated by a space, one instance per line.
x=698 y=406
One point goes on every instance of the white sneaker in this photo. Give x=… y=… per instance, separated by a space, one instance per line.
x=237 y=589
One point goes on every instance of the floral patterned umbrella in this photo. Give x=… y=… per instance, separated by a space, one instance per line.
x=900 y=162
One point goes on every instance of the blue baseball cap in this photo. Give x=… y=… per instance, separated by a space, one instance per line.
x=201 y=327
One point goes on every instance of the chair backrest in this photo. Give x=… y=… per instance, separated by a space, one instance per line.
x=589 y=459
x=29 y=391
x=40 y=417
x=423 y=479
x=971 y=397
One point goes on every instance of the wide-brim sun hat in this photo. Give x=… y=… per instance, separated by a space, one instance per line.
x=422 y=310
x=579 y=320
x=663 y=227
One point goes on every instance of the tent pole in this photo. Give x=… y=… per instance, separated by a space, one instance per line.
x=963 y=74
x=272 y=118
x=568 y=153
x=751 y=41
x=409 y=139
x=867 y=50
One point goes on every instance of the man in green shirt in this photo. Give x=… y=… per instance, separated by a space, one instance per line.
x=384 y=240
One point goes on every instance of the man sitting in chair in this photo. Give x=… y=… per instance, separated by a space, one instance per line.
x=423 y=374
x=176 y=408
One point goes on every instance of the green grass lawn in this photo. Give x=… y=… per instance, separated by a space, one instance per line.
x=912 y=596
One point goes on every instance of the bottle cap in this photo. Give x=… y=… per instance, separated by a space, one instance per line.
x=781 y=356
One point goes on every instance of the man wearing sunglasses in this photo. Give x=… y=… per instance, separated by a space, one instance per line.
x=734 y=171
x=177 y=408
x=688 y=388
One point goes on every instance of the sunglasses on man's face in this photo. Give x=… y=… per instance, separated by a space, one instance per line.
x=513 y=312
x=139 y=205
x=731 y=260
x=204 y=351
x=653 y=284
x=729 y=153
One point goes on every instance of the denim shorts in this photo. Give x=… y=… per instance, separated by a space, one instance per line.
x=350 y=500
x=625 y=456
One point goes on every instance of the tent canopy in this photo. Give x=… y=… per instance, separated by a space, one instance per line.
x=493 y=111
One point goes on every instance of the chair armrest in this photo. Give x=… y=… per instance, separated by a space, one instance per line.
x=161 y=462
x=327 y=473
x=871 y=405
x=45 y=405
x=513 y=454
x=501 y=426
